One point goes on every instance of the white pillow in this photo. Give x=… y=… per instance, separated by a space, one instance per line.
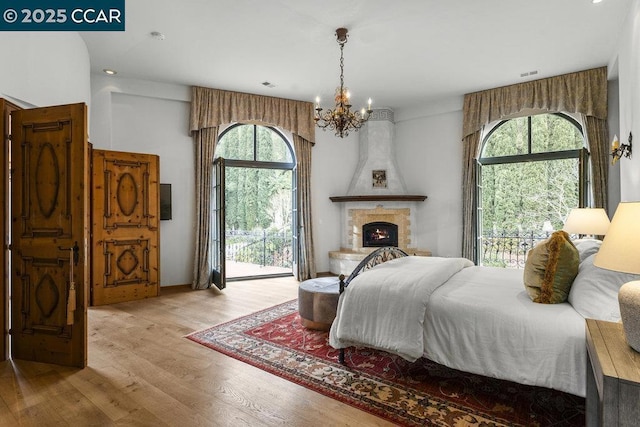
x=587 y=247
x=594 y=293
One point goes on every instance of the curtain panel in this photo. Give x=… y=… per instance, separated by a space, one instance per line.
x=306 y=255
x=205 y=144
x=211 y=108
x=583 y=92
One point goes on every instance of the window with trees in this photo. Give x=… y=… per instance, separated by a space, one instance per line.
x=532 y=172
x=259 y=173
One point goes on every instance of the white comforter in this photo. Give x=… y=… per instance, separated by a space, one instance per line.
x=395 y=295
x=482 y=321
x=475 y=319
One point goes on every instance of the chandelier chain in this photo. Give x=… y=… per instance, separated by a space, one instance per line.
x=341 y=68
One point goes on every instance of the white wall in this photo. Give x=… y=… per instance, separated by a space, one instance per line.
x=44 y=68
x=628 y=60
x=333 y=163
x=613 y=120
x=429 y=156
x=145 y=117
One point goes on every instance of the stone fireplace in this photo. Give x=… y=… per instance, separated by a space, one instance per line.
x=359 y=218
x=376 y=195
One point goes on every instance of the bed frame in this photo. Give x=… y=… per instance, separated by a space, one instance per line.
x=380 y=255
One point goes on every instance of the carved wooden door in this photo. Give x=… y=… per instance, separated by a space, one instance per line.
x=125 y=227
x=50 y=216
x=6 y=108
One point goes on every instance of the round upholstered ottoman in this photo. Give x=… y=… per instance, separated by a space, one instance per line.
x=318 y=301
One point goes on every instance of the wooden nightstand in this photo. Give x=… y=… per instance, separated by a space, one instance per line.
x=613 y=376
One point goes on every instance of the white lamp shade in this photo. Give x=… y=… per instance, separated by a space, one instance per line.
x=620 y=250
x=587 y=221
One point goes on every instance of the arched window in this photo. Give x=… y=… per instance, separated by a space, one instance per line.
x=258 y=190
x=532 y=172
x=254 y=143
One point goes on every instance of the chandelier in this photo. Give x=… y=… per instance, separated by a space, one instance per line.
x=341 y=119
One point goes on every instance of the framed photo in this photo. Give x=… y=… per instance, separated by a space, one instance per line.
x=379 y=179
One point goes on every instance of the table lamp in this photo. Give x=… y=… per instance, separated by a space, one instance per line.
x=620 y=251
x=587 y=221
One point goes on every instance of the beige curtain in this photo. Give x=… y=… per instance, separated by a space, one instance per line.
x=583 y=92
x=205 y=143
x=306 y=269
x=469 y=156
x=597 y=132
x=211 y=108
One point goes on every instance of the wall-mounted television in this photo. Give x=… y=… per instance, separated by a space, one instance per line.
x=165 y=201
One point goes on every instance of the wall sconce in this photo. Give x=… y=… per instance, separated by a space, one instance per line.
x=618 y=150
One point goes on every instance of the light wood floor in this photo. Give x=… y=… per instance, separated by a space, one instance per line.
x=143 y=372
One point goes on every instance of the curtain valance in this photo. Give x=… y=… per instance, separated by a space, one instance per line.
x=215 y=107
x=583 y=92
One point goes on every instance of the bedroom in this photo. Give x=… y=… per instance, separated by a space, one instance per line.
x=134 y=114
x=161 y=114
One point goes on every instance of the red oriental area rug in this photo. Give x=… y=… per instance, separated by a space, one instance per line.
x=411 y=394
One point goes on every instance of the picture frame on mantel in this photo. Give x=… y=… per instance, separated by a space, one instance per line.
x=379 y=178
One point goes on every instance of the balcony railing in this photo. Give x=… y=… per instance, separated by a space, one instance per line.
x=261 y=247
x=508 y=249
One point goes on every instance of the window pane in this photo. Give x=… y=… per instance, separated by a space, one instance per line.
x=271 y=147
x=522 y=196
x=257 y=198
x=517 y=199
x=510 y=139
x=236 y=143
x=553 y=133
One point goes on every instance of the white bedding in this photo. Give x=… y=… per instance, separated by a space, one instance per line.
x=482 y=321
x=475 y=319
x=397 y=326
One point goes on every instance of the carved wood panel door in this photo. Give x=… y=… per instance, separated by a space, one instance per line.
x=50 y=216
x=125 y=227
x=6 y=108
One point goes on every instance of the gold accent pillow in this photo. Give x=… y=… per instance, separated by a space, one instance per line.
x=550 y=269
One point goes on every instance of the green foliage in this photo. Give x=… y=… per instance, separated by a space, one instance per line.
x=256 y=198
x=522 y=196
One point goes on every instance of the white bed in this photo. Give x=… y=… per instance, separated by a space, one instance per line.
x=477 y=319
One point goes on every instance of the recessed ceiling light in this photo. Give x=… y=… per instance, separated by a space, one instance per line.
x=595 y=1
x=157 y=35
x=110 y=72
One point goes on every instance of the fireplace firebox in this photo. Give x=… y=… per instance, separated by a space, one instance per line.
x=375 y=234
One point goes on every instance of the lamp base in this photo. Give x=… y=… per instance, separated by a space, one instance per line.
x=629 y=299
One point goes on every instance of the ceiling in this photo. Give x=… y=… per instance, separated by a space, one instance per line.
x=401 y=53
